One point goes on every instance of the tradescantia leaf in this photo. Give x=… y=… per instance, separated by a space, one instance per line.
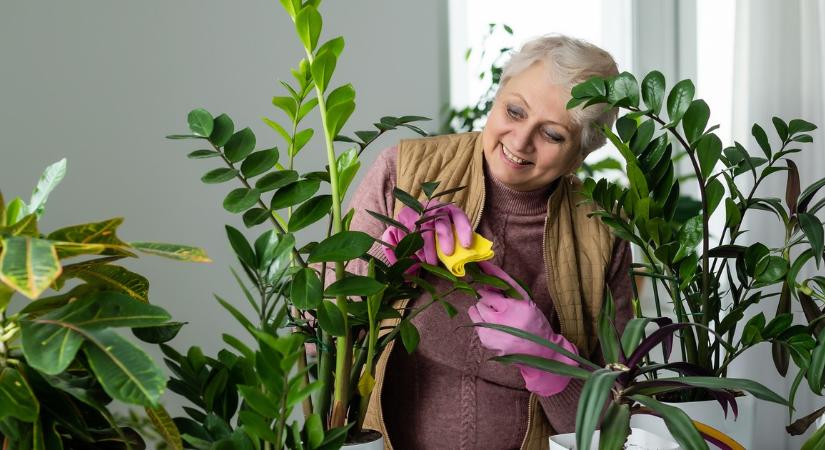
x=758 y=390
x=124 y=370
x=678 y=423
x=544 y=342
x=615 y=427
x=593 y=397
x=548 y=365
x=28 y=265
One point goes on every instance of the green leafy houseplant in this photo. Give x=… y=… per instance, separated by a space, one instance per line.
x=300 y=294
x=630 y=381
x=712 y=283
x=61 y=362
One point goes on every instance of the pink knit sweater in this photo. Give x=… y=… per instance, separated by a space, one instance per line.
x=448 y=394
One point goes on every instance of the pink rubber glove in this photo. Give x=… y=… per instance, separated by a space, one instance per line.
x=442 y=222
x=494 y=307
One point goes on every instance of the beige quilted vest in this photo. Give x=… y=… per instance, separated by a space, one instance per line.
x=577 y=251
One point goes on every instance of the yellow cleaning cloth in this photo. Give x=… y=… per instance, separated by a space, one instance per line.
x=480 y=250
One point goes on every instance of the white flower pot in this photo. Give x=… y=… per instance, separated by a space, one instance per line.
x=709 y=413
x=638 y=440
x=377 y=444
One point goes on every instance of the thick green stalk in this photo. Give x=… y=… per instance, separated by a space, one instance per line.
x=343 y=355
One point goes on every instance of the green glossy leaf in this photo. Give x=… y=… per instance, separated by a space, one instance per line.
x=715 y=192
x=800 y=126
x=771 y=269
x=348 y=165
x=623 y=90
x=278 y=128
x=817 y=367
x=338 y=115
x=308 y=24
x=203 y=154
x=16 y=397
x=677 y=422
x=48 y=181
x=240 y=145
x=695 y=120
x=679 y=100
x=342 y=246
x=732 y=214
x=159 y=334
x=172 y=251
x=219 y=175
x=812 y=227
x=593 y=397
x=275 y=180
x=409 y=335
x=408 y=200
x=708 y=150
x=241 y=199
x=125 y=371
x=689 y=237
x=301 y=139
x=306 y=108
x=761 y=139
x=28 y=265
x=294 y=193
x=330 y=319
x=200 y=122
x=322 y=69
x=653 y=91
x=310 y=212
x=781 y=128
x=259 y=162
x=306 y=290
x=354 y=285
x=286 y=104
x=241 y=246
x=222 y=130
x=593 y=87
x=334 y=45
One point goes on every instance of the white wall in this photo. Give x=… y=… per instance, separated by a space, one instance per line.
x=102 y=82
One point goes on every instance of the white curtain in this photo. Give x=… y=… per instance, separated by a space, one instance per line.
x=779 y=53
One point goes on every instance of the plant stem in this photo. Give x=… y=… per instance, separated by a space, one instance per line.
x=343 y=355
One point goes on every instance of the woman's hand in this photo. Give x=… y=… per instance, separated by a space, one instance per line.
x=445 y=220
x=495 y=307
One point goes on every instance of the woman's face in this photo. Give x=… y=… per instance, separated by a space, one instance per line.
x=529 y=139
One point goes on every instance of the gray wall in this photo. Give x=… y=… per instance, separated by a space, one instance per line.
x=102 y=82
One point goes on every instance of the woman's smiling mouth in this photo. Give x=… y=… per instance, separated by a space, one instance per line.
x=510 y=157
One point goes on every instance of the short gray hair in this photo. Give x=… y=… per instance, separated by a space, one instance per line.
x=571 y=61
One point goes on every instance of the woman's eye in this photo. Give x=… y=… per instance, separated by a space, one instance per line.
x=515 y=113
x=552 y=136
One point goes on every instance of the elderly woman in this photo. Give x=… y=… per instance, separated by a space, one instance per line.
x=521 y=194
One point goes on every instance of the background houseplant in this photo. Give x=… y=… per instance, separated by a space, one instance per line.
x=287 y=283
x=61 y=362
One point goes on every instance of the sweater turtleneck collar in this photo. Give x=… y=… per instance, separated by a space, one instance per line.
x=503 y=199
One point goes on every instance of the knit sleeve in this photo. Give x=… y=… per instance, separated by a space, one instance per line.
x=560 y=409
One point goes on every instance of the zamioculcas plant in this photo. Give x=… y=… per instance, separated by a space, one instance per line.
x=61 y=361
x=306 y=293
x=630 y=380
x=712 y=282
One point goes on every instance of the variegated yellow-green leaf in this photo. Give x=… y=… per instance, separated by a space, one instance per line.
x=69 y=249
x=103 y=233
x=113 y=277
x=173 y=251
x=124 y=370
x=28 y=265
x=16 y=397
x=27 y=226
x=165 y=427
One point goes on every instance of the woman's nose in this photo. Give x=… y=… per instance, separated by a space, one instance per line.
x=521 y=140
